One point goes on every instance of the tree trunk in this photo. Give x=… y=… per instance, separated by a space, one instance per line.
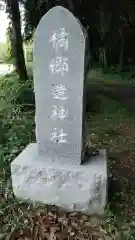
x=103 y=58
x=105 y=64
x=71 y=6
x=14 y=12
x=121 y=51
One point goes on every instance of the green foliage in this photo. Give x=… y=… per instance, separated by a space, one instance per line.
x=17 y=129
x=4 y=54
x=9 y=42
x=28 y=47
x=34 y=10
x=16 y=125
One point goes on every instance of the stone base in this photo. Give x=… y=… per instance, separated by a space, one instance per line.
x=72 y=187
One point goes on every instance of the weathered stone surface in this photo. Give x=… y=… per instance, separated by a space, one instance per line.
x=59 y=59
x=80 y=188
x=49 y=171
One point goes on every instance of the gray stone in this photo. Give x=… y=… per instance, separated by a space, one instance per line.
x=75 y=188
x=50 y=170
x=59 y=60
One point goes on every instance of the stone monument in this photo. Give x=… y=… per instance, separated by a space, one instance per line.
x=50 y=171
x=59 y=57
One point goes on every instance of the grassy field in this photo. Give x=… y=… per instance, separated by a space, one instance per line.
x=114 y=128
x=96 y=75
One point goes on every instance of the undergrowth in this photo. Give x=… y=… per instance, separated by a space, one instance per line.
x=19 y=220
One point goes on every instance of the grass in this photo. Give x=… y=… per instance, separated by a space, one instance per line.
x=96 y=75
x=114 y=127
x=16 y=126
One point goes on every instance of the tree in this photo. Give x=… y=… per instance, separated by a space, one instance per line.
x=14 y=14
x=2 y=6
x=110 y=24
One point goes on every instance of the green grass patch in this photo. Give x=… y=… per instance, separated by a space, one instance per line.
x=16 y=125
x=97 y=76
x=114 y=127
x=111 y=115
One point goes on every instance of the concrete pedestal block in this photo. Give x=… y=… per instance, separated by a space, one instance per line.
x=73 y=187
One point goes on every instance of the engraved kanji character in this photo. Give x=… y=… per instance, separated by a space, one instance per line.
x=59 y=65
x=60 y=40
x=59 y=92
x=60 y=112
x=63 y=113
x=59 y=135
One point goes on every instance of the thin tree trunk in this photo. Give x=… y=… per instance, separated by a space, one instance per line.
x=121 y=50
x=103 y=58
x=13 y=7
x=71 y=6
x=105 y=64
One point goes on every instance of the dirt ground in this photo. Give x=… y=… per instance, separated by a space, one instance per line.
x=113 y=120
